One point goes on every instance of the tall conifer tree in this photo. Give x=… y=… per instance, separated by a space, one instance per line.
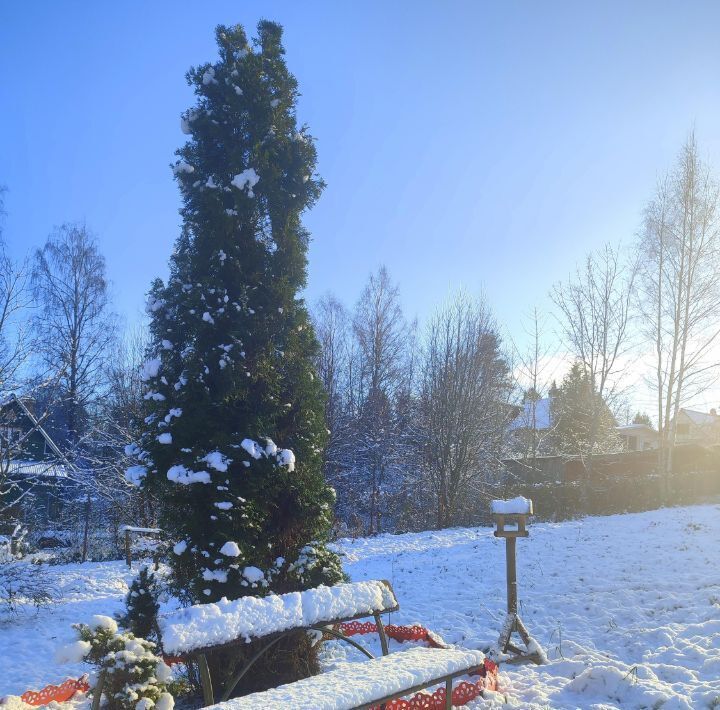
x=230 y=377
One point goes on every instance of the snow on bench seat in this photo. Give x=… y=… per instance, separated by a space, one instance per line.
x=363 y=683
x=206 y=625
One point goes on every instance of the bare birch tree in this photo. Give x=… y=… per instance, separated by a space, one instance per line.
x=15 y=301
x=465 y=389
x=332 y=328
x=74 y=326
x=331 y=322
x=120 y=418
x=680 y=251
x=533 y=428
x=595 y=312
x=381 y=336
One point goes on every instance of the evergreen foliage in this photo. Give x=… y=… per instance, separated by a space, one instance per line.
x=531 y=395
x=230 y=368
x=584 y=423
x=142 y=605
x=642 y=418
x=134 y=676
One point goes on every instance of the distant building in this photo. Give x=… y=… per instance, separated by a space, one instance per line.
x=693 y=427
x=637 y=437
x=533 y=412
x=30 y=462
x=530 y=427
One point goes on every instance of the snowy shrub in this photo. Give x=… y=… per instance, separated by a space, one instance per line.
x=142 y=605
x=134 y=676
x=22 y=584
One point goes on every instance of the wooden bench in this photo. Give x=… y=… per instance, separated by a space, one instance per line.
x=192 y=632
x=368 y=684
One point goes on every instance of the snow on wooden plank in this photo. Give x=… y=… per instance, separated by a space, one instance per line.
x=368 y=682
x=514 y=506
x=132 y=528
x=206 y=625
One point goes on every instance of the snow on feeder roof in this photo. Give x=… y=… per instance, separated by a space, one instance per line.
x=514 y=506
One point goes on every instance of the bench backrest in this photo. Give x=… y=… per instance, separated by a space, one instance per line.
x=203 y=626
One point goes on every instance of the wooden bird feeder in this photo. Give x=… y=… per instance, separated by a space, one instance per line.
x=514 y=513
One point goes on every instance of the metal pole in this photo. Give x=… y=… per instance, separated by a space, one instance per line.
x=448 y=694
x=381 y=633
x=206 y=680
x=511 y=575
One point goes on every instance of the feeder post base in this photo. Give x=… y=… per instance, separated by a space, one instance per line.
x=532 y=653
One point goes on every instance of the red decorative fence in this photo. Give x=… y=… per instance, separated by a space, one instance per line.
x=399 y=633
x=58 y=693
x=462 y=693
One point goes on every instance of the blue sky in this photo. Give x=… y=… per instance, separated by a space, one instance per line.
x=484 y=144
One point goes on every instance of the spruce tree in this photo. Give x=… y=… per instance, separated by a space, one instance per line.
x=229 y=377
x=142 y=605
x=583 y=421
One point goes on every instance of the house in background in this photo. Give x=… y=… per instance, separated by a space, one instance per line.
x=35 y=477
x=535 y=416
x=637 y=437
x=693 y=427
x=531 y=426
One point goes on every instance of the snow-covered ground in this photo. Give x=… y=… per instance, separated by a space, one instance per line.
x=28 y=642
x=627 y=607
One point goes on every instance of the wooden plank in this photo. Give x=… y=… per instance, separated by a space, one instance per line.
x=128 y=556
x=241 y=641
x=512 y=533
x=132 y=528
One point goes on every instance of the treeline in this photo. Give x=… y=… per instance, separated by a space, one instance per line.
x=63 y=353
x=420 y=417
x=416 y=419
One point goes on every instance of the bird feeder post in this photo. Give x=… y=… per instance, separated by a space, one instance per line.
x=511 y=573
x=514 y=513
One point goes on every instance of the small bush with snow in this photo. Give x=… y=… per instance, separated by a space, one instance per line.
x=22 y=585
x=134 y=676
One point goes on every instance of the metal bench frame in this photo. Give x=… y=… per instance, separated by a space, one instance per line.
x=325 y=627
x=447 y=679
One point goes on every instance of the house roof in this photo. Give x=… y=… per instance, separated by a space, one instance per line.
x=38 y=427
x=46 y=469
x=635 y=429
x=700 y=418
x=543 y=416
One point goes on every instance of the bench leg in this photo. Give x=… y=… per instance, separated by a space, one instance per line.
x=381 y=632
x=208 y=695
x=448 y=694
